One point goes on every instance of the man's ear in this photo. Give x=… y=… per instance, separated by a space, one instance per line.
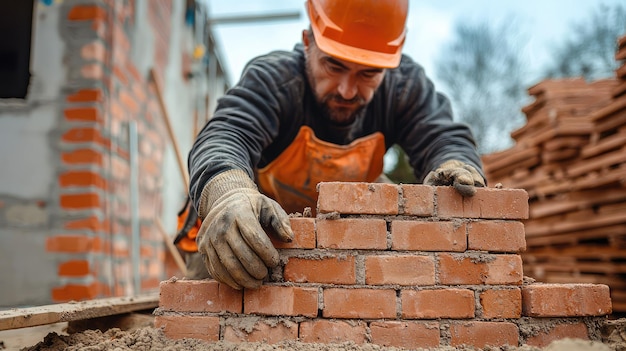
x=305 y=38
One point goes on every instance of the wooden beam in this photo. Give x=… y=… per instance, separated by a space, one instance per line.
x=72 y=311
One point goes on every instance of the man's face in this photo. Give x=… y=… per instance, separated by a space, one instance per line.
x=341 y=87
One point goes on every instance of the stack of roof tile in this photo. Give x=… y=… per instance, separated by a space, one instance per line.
x=571 y=158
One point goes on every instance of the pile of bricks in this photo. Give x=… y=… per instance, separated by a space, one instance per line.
x=570 y=157
x=394 y=265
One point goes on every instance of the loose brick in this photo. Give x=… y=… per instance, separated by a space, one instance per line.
x=357 y=198
x=199 y=296
x=438 y=303
x=493 y=269
x=481 y=334
x=195 y=327
x=418 y=200
x=331 y=270
x=303 y=234
x=565 y=300
x=352 y=233
x=331 y=331
x=359 y=303
x=488 y=203
x=267 y=331
x=400 y=270
x=281 y=300
x=501 y=303
x=496 y=236
x=409 y=335
x=428 y=236
x=561 y=331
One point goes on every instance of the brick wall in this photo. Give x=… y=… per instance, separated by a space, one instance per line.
x=394 y=265
x=105 y=94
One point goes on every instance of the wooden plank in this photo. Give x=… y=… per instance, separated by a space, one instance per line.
x=72 y=311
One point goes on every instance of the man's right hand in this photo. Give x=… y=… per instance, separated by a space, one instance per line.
x=233 y=240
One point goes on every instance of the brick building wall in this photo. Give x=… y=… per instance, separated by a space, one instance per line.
x=110 y=173
x=409 y=266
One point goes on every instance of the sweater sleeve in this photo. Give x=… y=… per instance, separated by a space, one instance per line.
x=432 y=137
x=245 y=122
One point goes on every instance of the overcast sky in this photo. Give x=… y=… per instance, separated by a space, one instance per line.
x=430 y=23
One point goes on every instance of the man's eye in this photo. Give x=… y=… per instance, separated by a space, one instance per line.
x=335 y=69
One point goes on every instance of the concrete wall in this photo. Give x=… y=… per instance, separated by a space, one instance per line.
x=88 y=167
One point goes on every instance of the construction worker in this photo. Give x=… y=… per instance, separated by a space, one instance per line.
x=326 y=111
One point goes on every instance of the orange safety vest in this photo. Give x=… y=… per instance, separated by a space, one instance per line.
x=292 y=178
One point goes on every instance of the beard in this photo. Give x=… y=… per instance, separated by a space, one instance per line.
x=339 y=115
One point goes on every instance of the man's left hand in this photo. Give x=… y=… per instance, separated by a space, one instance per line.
x=462 y=176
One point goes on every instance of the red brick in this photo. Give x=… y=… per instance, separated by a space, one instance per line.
x=501 y=303
x=266 y=331
x=352 y=233
x=92 y=223
x=71 y=244
x=481 y=334
x=281 y=300
x=488 y=203
x=303 y=234
x=329 y=270
x=129 y=102
x=194 y=327
x=94 y=51
x=561 y=331
x=74 y=268
x=84 y=135
x=417 y=200
x=93 y=71
x=82 y=179
x=86 y=95
x=82 y=156
x=428 y=236
x=80 y=201
x=455 y=269
x=438 y=303
x=496 y=236
x=565 y=300
x=400 y=270
x=199 y=296
x=86 y=12
x=358 y=198
x=359 y=303
x=331 y=331
x=409 y=335
x=77 y=292
x=83 y=114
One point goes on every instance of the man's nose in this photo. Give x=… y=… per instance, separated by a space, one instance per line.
x=347 y=87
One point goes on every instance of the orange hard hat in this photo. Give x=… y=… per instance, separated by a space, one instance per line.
x=368 y=32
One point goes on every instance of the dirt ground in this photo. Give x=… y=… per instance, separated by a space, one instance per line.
x=149 y=338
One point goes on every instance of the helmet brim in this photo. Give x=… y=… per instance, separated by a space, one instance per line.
x=358 y=55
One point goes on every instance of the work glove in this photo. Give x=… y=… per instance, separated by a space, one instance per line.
x=232 y=239
x=462 y=176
